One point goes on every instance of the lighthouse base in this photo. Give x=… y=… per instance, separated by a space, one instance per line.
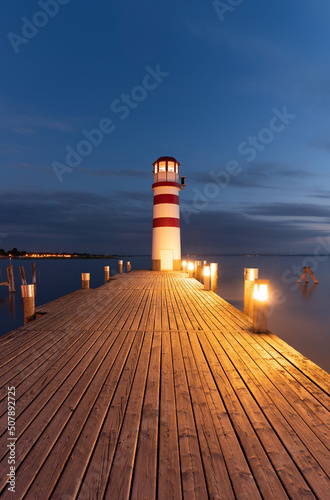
x=157 y=265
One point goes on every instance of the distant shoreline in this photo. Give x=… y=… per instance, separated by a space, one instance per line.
x=187 y=256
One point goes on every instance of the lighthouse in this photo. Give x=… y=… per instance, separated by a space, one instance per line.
x=166 y=241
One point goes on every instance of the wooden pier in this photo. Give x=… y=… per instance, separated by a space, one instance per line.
x=151 y=387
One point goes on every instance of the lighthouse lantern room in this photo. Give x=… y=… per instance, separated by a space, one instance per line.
x=166 y=244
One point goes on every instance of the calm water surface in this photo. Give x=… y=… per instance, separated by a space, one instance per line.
x=299 y=315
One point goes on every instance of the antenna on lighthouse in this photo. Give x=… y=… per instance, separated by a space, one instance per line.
x=166 y=241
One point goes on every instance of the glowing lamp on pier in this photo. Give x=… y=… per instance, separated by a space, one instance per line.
x=260 y=305
x=166 y=242
x=260 y=291
x=207 y=277
x=184 y=265
x=191 y=268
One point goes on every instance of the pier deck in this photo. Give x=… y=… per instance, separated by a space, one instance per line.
x=150 y=387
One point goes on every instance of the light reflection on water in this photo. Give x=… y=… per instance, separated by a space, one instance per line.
x=300 y=315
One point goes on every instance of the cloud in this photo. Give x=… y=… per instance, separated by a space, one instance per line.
x=262 y=175
x=27 y=166
x=121 y=222
x=289 y=210
x=29 y=122
x=231 y=231
x=322 y=144
x=77 y=221
x=115 y=172
x=320 y=193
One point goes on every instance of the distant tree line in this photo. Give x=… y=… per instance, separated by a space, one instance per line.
x=21 y=253
x=14 y=252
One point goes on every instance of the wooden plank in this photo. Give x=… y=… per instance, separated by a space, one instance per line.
x=192 y=473
x=31 y=475
x=151 y=387
x=300 y=454
x=216 y=474
x=46 y=396
x=144 y=483
x=96 y=477
x=74 y=448
x=239 y=471
x=43 y=363
x=121 y=473
x=303 y=401
x=254 y=432
x=169 y=473
x=310 y=369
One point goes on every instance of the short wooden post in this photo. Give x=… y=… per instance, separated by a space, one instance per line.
x=250 y=275
x=260 y=306
x=214 y=276
x=207 y=277
x=22 y=273
x=12 y=305
x=191 y=269
x=184 y=266
x=28 y=296
x=10 y=275
x=34 y=275
x=128 y=266
x=85 y=279
x=106 y=273
x=304 y=275
x=312 y=275
x=198 y=270
x=120 y=265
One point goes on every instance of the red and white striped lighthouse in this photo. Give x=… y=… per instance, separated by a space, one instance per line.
x=166 y=242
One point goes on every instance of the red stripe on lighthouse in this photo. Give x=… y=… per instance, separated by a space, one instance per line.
x=166 y=198
x=166 y=222
x=166 y=183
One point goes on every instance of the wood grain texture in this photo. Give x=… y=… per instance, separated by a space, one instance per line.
x=150 y=387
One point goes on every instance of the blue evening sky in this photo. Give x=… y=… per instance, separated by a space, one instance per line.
x=239 y=95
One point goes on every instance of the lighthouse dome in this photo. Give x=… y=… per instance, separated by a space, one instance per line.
x=166 y=169
x=166 y=158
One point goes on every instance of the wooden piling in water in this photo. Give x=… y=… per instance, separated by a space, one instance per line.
x=22 y=273
x=34 y=275
x=307 y=270
x=128 y=266
x=10 y=275
x=106 y=273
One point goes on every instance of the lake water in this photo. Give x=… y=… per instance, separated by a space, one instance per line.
x=299 y=315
